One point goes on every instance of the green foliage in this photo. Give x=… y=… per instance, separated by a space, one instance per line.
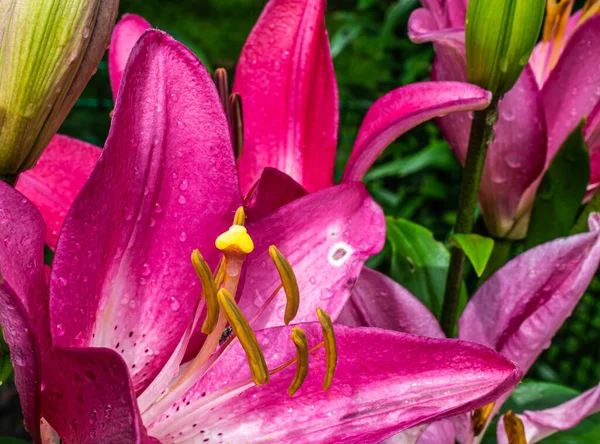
x=477 y=248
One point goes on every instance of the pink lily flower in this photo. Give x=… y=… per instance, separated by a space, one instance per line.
x=516 y=312
x=99 y=350
x=558 y=88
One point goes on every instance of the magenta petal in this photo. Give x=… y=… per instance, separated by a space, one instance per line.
x=378 y=301
x=324 y=238
x=88 y=397
x=402 y=109
x=592 y=138
x=125 y=35
x=541 y=424
x=57 y=179
x=572 y=91
x=384 y=382
x=20 y=336
x=519 y=309
x=289 y=95
x=273 y=190
x=165 y=184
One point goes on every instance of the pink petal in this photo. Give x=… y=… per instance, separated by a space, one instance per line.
x=57 y=179
x=273 y=190
x=423 y=27
x=165 y=184
x=520 y=308
x=592 y=138
x=402 y=381
x=571 y=91
x=289 y=95
x=440 y=432
x=88 y=397
x=125 y=35
x=324 y=238
x=22 y=258
x=378 y=301
x=19 y=334
x=403 y=109
x=541 y=424
x=456 y=12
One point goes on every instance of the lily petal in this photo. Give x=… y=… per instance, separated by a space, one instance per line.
x=165 y=184
x=325 y=244
x=289 y=94
x=571 y=91
x=592 y=139
x=273 y=190
x=541 y=424
x=424 y=27
x=519 y=309
x=125 y=35
x=57 y=179
x=378 y=301
x=401 y=110
x=88 y=397
x=401 y=382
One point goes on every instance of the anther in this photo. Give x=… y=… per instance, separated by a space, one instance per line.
x=236 y=123
x=480 y=417
x=289 y=282
x=301 y=343
x=209 y=289
x=513 y=426
x=590 y=9
x=223 y=88
x=220 y=273
x=241 y=328
x=240 y=217
x=235 y=240
x=330 y=347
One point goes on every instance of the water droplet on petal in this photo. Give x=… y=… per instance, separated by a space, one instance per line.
x=182 y=236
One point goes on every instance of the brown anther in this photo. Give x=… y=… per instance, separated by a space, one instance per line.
x=223 y=88
x=480 y=418
x=236 y=123
x=513 y=426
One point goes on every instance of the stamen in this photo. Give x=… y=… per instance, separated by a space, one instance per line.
x=235 y=240
x=480 y=417
x=240 y=217
x=513 y=426
x=590 y=9
x=220 y=274
x=289 y=282
x=209 y=289
x=557 y=18
x=330 y=347
x=256 y=359
x=236 y=124
x=301 y=343
x=223 y=88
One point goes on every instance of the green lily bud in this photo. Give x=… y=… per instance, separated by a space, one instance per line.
x=501 y=35
x=49 y=50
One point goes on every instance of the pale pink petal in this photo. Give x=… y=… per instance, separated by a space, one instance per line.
x=378 y=301
x=572 y=89
x=456 y=12
x=592 y=139
x=385 y=382
x=520 y=308
x=125 y=35
x=88 y=397
x=273 y=190
x=57 y=179
x=165 y=184
x=289 y=95
x=403 y=109
x=424 y=27
x=324 y=237
x=440 y=432
x=541 y=424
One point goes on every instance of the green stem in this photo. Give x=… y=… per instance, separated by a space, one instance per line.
x=10 y=179
x=593 y=206
x=482 y=134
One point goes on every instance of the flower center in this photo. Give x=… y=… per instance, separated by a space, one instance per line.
x=513 y=426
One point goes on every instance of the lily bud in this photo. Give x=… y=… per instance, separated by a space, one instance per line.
x=50 y=49
x=501 y=35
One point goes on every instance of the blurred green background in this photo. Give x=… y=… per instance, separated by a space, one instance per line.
x=417 y=178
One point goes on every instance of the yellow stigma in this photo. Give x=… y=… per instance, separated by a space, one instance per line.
x=209 y=289
x=240 y=217
x=480 y=418
x=235 y=240
x=242 y=329
x=301 y=343
x=513 y=426
x=289 y=282
x=330 y=347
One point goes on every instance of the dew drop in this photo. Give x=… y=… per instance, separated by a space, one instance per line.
x=145 y=270
x=62 y=282
x=182 y=200
x=180 y=124
x=184 y=185
x=182 y=236
x=508 y=115
x=174 y=304
x=60 y=330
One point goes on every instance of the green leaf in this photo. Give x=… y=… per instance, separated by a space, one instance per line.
x=419 y=263
x=561 y=192
x=343 y=37
x=477 y=248
x=5 y=364
x=11 y=440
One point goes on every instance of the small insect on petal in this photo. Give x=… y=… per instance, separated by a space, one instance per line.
x=241 y=328
x=513 y=426
x=330 y=347
x=480 y=417
x=301 y=343
x=209 y=289
x=289 y=282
